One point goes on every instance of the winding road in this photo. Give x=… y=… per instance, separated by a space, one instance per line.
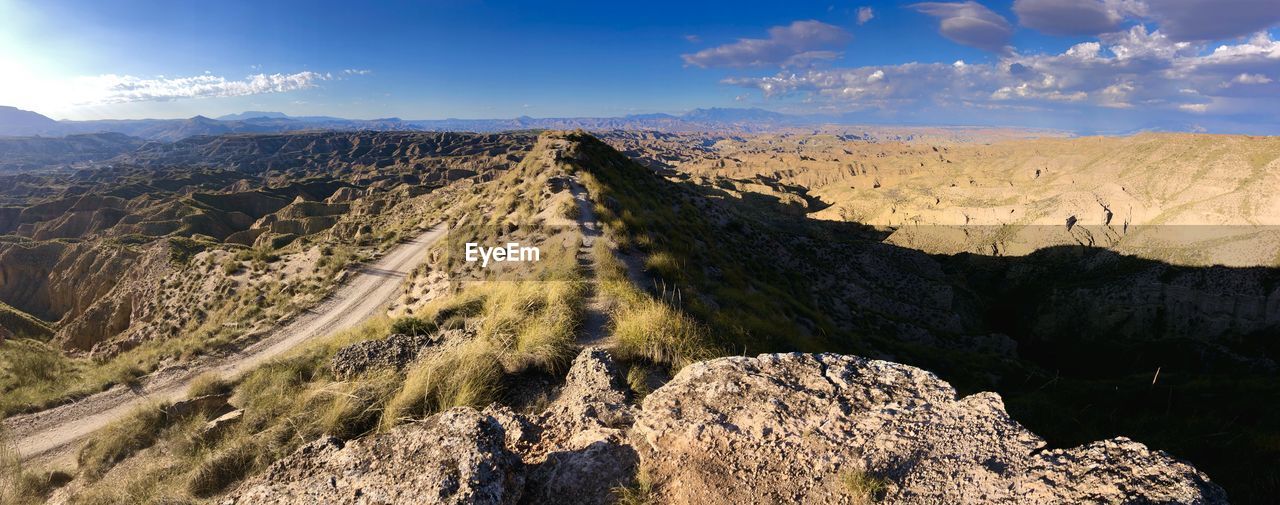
x=51 y=433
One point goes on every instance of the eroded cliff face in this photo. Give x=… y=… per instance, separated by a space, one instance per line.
x=779 y=428
x=54 y=279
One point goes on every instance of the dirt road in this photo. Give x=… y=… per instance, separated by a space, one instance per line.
x=51 y=433
x=595 y=316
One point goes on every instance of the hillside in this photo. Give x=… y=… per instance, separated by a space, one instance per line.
x=128 y=269
x=27 y=154
x=1186 y=199
x=680 y=272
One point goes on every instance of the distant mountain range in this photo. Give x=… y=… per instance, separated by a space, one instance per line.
x=17 y=122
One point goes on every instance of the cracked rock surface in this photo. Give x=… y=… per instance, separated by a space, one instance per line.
x=796 y=427
x=778 y=428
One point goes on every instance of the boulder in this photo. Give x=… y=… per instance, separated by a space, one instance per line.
x=583 y=451
x=394 y=352
x=457 y=456
x=218 y=426
x=788 y=428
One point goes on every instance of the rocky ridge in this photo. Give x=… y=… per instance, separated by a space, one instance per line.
x=807 y=428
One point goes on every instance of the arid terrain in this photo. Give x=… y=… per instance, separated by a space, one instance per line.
x=1184 y=199
x=937 y=315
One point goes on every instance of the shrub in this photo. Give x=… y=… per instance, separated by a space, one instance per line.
x=230 y=266
x=570 y=209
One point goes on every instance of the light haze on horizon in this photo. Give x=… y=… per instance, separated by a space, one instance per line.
x=1093 y=65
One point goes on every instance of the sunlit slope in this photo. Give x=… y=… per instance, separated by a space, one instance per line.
x=1184 y=198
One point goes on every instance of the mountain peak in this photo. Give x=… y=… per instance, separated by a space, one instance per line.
x=718 y=114
x=253 y=114
x=15 y=121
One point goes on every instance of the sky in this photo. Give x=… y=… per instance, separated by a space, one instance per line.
x=1086 y=65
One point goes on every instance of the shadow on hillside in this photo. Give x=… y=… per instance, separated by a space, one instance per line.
x=1083 y=343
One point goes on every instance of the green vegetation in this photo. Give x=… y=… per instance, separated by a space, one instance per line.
x=524 y=325
x=569 y=209
x=756 y=302
x=257 y=254
x=645 y=328
x=287 y=402
x=182 y=249
x=863 y=488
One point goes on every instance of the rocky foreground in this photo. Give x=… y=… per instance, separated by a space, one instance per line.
x=778 y=428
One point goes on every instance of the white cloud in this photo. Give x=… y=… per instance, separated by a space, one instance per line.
x=1134 y=69
x=354 y=71
x=112 y=88
x=1252 y=79
x=970 y=23
x=1138 y=44
x=798 y=44
x=865 y=14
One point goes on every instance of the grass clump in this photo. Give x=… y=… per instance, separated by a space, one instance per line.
x=287 y=402
x=570 y=209
x=645 y=328
x=223 y=467
x=209 y=383
x=230 y=266
x=654 y=331
x=466 y=375
x=863 y=488
x=640 y=492
x=119 y=440
x=519 y=326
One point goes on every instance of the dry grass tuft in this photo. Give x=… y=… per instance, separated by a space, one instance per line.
x=119 y=440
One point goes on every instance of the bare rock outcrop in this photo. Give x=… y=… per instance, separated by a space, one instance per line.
x=393 y=352
x=583 y=450
x=778 y=428
x=457 y=456
x=800 y=428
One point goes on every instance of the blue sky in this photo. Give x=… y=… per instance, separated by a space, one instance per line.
x=1079 y=64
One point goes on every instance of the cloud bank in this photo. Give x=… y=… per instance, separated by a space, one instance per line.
x=1124 y=70
x=114 y=89
x=798 y=44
